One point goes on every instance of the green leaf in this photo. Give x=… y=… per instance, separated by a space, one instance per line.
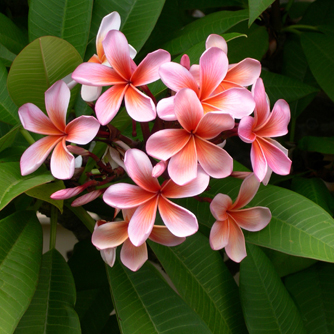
x=256 y=8
x=8 y=139
x=20 y=258
x=204 y=282
x=67 y=19
x=268 y=307
x=44 y=192
x=6 y=57
x=200 y=4
x=323 y=145
x=318 y=49
x=313 y=292
x=145 y=303
x=12 y=154
x=199 y=30
x=320 y=12
x=11 y=37
x=52 y=308
x=38 y=66
x=13 y=184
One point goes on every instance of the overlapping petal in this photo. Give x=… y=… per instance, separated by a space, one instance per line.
x=217 y=41
x=262 y=103
x=258 y=159
x=62 y=161
x=219 y=235
x=82 y=130
x=219 y=205
x=252 y=219
x=245 y=129
x=236 y=248
x=165 y=109
x=90 y=93
x=161 y=235
x=133 y=257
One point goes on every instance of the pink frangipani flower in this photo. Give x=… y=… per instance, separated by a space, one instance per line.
x=204 y=80
x=148 y=196
x=81 y=131
x=226 y=231
x=185 y=147
x=108 y=235
x=124 y=76
x=265 y=152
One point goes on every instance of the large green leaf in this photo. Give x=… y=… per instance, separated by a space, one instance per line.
x=200 y=4
x=320 y=12
x=14 y=184
x=323 y=145
x=145 y=303
x=20 y=259
x=256 y=7
x=8 y=139
x=6 y=56
x=267 y=305
x=199 y=30
x=52 y=308
x=67 y=19
x=313 y=292
x=38 y=66
x=204 y=282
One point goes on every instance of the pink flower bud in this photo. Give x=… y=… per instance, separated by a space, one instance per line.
x=89 y=197
x=67 y=193
x=78 y=150
x=185 y=61
x=159 y=168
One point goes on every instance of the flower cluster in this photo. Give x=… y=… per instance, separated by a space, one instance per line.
x=207 y=103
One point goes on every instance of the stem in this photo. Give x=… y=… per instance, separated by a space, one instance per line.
x=145 y=130
x=27 y=136
x=53 y=227
x=300 y=26
x=148 y=92
x=83 y=215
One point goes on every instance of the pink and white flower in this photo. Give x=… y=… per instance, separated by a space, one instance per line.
x=190 y=145
x=148 y=196
x=230 y=218
x=266 y=153
x=80 y=131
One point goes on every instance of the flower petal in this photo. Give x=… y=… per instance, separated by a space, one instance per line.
x=185 y=61
x=148 y=70
x=110 y=235
x=252 y=219
x=212 y=124
x=62 y=162
x=217 y=41
x=219 y=206
x=159 y=168
x=108 y=256
x=82 y=130
x=166 y=143
x=245 y=129
x=33 y=119
x=133 y=257
x=90 y=93
x=142 y=221
x=109 y=103
x=57 y=98
x=35 y=155
x=139 y=168
x=262 y=108
x=165 y=109
x=213 y=68
x=219 y=234
x=161 y=235
x=258 y=159
x=178 y=220
x=139 y=106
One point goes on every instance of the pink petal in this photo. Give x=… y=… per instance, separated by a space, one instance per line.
x=277 y=123
x=133 y=257
x=139 y=106
x=165 y=109
x=128 y=213
x=166 y=143
x=96 y=75
x=259 y=162
x=139 y=168
x=110 y=235
x=159 y=168
x=178 y=220
x=142 y=222
x=116 y=49
x=248 y=189
x=225 y=85
x=195 y=187
x=245 y=129
x=219 y=235
x=219 y=205
x=217 y=41
x=238 y=102
x=244 y=73
x=82 y=130
x=57 y=98
x=87 y=198
x=90 y=93
x=188 y=109
x=236 y=248
x=213 y=68
x=33 y=119
x=176 y=77
x=212 y=124
x=252 y=219
x=182 y=166
x=108 y=256
x=62 y=162
x=35 y=155
x=67 y=193
x=195 y=72
x=215 y=161
x=262 y=108
x=111 y=21
x=161 y=235
x=124 y=196
x=109 y=103
x=147 y=70
x=185 y=61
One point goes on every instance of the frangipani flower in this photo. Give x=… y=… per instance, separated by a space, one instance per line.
x=124 y=76
x=81 y=131
x=186 y=146
x=226 y=231
x=148 y=196
x=108 y=235
x=204 y=80
x=266 y=152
